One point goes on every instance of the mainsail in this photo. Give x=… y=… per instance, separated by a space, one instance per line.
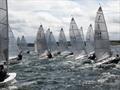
x=47 y=35
x=18 y=43
x=3 y=30
x=13 y=48
x=102 y=44
x=76 y=39
x=90 y=40
x=41 y=41
x=53 y=44
x=23 y=44
x=62 y=41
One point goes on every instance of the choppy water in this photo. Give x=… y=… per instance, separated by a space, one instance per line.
x=63 y=74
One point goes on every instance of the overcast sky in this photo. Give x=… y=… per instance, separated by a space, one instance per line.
x=25 y=16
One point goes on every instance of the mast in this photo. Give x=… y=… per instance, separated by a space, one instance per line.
x=102 y=44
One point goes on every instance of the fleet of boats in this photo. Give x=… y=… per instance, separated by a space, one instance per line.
x=95 y=48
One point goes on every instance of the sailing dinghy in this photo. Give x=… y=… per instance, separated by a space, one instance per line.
x=78 y=46
x=63 y=47
x=102 y=44
x=13 y=48
x=41 y=44
x=4 y=39
x=52 y=45
x=23 y=45
x=90 y=41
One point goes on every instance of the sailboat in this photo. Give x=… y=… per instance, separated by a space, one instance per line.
x=101 y=37
x=4 y=39
x=41 y=43
x=63 y=47
x=13 y=48
x=90 y=41
x=18 y=43
x=23 y=45
x=78 y=46
x=53 y=48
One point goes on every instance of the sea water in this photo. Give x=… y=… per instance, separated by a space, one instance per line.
x=63 y=74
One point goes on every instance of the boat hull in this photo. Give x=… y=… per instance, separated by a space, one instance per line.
x=8 y=80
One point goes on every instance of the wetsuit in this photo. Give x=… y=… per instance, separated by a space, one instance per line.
x=49 y=55
x=19 y=57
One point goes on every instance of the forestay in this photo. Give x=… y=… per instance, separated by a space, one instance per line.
x=76 y=39
x=102 y=44
x=3 y=30
x=41 y=41
x=13 y=48
x=62 y=41
x=90 y=40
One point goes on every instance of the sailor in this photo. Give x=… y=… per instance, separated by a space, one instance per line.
x=28 y=52
x=116 y=60
x=49 y=55
x=19 y=56
x=92 y=57
x=3 y=73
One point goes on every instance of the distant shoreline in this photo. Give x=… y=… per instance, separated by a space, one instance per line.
x=117 y=42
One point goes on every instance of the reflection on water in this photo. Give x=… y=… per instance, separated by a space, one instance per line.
x=63 y=74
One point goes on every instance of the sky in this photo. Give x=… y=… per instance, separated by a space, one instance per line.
x=25 y=16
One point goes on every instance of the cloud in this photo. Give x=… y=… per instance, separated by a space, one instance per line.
x=25 y=16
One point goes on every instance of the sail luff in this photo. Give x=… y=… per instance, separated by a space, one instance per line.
x=102 y=45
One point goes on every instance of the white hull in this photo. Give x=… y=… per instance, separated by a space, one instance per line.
x=105 y=61
x=14 y=61
x=8 y=80
x=81 y=57
x=65 y=53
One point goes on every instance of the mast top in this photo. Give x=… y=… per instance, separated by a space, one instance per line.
x=90 y=25
x=100 y=9
x=41 y=25
x=72 y=19
x=61 y=29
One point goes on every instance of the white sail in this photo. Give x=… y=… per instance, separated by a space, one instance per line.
x=18 y=43
x=102 y=44
x=13 y=48
x=41 y=41
x=90 y=40
x=47 y=35
x=76 y=39
x=62 y=41
x=3 y=30
x=23 y=44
